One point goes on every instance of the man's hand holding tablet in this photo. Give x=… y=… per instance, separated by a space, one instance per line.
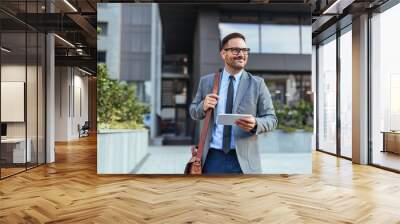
x=245 y=121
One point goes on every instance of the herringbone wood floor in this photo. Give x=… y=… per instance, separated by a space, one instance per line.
x=70 y=191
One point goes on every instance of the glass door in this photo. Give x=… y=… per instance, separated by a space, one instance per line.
x=13 y=103
x=22 y=88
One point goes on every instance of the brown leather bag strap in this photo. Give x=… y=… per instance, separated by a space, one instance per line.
x=204 y=129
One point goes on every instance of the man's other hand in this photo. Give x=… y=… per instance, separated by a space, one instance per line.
x=246 y=123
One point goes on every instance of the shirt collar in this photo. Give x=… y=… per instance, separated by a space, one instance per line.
x=237 y=75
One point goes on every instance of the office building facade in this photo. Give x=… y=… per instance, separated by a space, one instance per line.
x=285 y=64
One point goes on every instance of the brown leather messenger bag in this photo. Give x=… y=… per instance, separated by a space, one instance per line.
x=194 y=164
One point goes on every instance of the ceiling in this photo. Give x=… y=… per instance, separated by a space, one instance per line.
x=328 y=18
x=76 y=22
x=73 y=21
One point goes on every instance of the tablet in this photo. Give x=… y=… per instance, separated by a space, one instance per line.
x=229 y=119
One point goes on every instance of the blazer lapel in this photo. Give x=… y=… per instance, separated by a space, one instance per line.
x=243 y=86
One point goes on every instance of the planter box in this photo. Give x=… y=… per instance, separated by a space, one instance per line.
x=279 y=141
x=120 y=151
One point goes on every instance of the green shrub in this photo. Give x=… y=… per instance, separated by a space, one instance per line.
x=292 y=118
x=117 y=105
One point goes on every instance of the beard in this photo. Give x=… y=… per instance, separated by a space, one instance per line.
x=235 y=64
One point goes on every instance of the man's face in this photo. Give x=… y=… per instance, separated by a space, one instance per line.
x=236 y=61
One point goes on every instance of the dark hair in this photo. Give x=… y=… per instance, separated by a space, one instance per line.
x=230 y=36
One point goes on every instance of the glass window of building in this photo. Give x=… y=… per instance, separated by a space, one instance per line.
x=262 y=38
x=385 y=88
x=103 y=27
x=306 y=37
x=346 y=94
x=101 y=56
x=327 y=96
x=288 y=88
x=250 y=31
x=287 y=43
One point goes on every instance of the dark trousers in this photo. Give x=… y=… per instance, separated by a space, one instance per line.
x=217 y=162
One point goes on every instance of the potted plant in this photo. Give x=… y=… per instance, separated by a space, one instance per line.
x=122 y=139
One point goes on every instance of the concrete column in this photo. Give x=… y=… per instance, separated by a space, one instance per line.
x=314 y=91
x=207 y=38
x=50 y=98
x=360 y=90
x=64 y=101
x=206 y=58
x=155 y=69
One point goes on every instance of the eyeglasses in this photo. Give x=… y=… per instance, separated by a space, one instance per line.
x=236 y=50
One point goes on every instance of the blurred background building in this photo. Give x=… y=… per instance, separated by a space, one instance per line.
x=166 y=48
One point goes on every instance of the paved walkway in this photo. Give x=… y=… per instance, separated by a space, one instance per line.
x=172 y=160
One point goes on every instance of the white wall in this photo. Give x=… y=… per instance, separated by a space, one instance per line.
x=12 y=73
x=33 y=126
x=71 y=94
x=61 y=103
x=79 y=117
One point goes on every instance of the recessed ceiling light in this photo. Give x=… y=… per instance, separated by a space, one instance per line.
x=70 y=5
x=86 y=72
x=65 y=41
x=5 y=50
x=338 y=6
